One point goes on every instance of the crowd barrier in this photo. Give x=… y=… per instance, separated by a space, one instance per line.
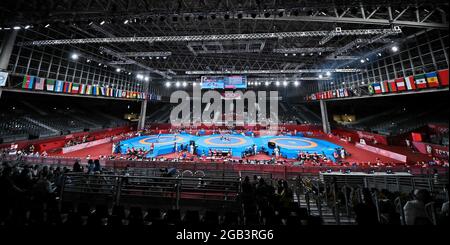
x=382 y=152
x=279 y=170
x=86 y=145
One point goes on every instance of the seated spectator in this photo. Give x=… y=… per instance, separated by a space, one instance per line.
x=77 y=167
x=415 y=213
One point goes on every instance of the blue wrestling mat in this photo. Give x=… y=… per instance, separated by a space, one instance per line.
x=289 y=146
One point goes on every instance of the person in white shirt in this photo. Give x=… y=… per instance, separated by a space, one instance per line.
x=415 y=213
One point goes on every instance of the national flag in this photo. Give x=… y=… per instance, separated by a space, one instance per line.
x=103 y=91
x=75 y=88
x=376 y=88
x=443 y=77
x=124 y=94
x=82 y=89
x=371 y=89
x=28 y=82
x=384 y=87
x=40 y=82
x=67 y=87
x=420 y=80
x=50 y=84
x=400 y=83
x=410 y=84
x=393 y=86
x=432 y=79
x=59 y=86
x=89 y=89
x=346 y=94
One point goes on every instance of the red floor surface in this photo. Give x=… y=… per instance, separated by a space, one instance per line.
x=357 y=154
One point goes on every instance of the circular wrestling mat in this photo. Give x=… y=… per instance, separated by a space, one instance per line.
x=237 y=143
x=162 y=140
x=293 y=143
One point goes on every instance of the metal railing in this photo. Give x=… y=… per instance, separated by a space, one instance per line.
x=173 y=190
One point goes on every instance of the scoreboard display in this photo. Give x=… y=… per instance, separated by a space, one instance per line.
x=224 y=82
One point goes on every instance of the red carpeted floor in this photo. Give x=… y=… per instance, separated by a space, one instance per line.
x=357 y=154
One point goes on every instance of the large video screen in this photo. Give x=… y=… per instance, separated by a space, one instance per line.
x=236 y=82
x=213 y=82
x=224 y=82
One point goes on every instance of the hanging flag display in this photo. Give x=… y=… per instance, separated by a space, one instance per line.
x=420 y=80
x=75 y=88
x=384 y=87
x=400 y=83
x=67 y=87
x=59 y=86
x=410 y=84
x=28 y=82
x=40 y=82
x=393 y=86
x=432 y=79
x=443 y=77
x=377 y=88
x=50 y=85
x=82 y=89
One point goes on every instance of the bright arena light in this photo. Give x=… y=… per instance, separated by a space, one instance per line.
x=146 y=79
x=177 y=84
x=328 y=73
x=118 y=70
x=167 y=84
x=184 y=84
x=296 y=83
x=194 y=84
x=394 y=48
x=267 y=83
x=285 y=83
x=74 y=56
x=140 y=76
x=320 y=76
x=277 y=83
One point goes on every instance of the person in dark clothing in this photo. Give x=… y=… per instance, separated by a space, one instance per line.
x=97 y=167
x=366 y=211
x=77 y=167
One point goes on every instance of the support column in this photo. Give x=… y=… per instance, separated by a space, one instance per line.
x=324 y=112
x=141 y=124
x=6 y=51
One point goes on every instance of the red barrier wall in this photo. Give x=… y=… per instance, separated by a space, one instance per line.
x=59 y=141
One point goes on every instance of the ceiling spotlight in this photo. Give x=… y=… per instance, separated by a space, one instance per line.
x=277 y=83
x=129 y=73
x=285 y=83
x=102 y=22
x=285 y=54
x=362 y=61
x=294 y=54
x=146 y=79
x=394 y=48
x=267 y=84
x=177 y=84
x=379 y=54
x=140 y=76
x=88 y=61
x=27 y=27
x=184 y=84
x=47 y=26
x=296 y=83
x=74 y=56
x=168 y=84
x=320 y=76
x=328 y=73
x=367 y=59
x=126 y=22
x=303 y=54
x=117 y=69
x=194 y=84
x=16 y=27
